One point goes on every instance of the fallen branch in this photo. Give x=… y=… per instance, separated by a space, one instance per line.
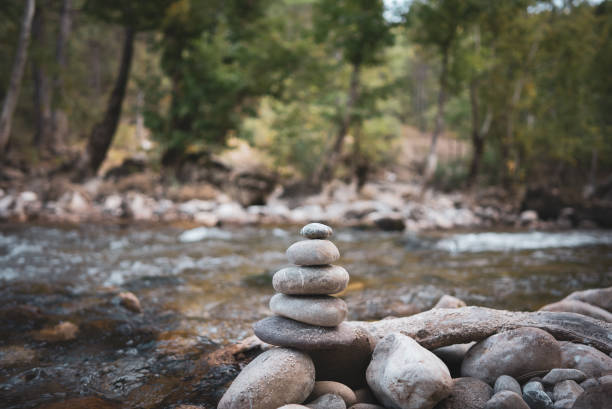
x=442 y=327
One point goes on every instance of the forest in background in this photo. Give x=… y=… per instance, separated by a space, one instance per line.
x=323 y=89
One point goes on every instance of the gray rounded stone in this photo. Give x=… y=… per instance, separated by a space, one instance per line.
x=313 y=252
x=589 y=360
x=564 y=404
x=299 y=280
x=567 y=390
x=366 y=406
x=598 y=397
x=563 y=374
x=517 y=353
x=507 y=383
x=404 y=375
x=323 y=310
x=327 y=401
x=336 y=388
x=506 y=400
x=537 y=399
x=316 y=231
x=467 y=393
x=285 y=332
x=277 y=377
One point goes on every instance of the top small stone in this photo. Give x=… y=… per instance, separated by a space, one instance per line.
x=316 y=231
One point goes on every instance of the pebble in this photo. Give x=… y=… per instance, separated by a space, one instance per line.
x=129 y=301
x=276 y=377
x=313 y=252
x=296 y=280
x=448 y=301
x=537 y=399
x=567 y=390
x=467 y=393
x=516 y=353
x=600 y=297
x=579 y=307
x=589 y=383
x=323 y=310
x=598 y=397
x=507 y=383
x=327 y=401
x=589 y=360
x=564 y=404
x=563 y=374
x=366 y=406
x=506 y=400
x=293 y=406
x=324 y=387
x=316 y=231
x=405 y=375
x=286 y=332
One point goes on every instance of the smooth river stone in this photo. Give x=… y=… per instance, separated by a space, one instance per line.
x=275 y=378
x=313 y=253
x=285 y=332
x=316 y=231
x=323 y=310
x=310 y=280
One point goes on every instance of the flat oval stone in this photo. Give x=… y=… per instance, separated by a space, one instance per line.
x=285 y=332
x=310 y=280
x=323 y=310
x=316 y=231
x=313 y=252
x=277 y=377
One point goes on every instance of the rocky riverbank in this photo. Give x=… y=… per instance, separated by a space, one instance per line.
x=315 y=360
x=384 y=205
x=542 y=360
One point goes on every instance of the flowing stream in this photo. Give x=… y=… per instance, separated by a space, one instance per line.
x=204 y=287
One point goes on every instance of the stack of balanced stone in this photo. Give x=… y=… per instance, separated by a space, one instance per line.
x=304 y=289
x=314 y=343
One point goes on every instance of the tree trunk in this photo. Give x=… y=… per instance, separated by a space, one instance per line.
x=42 y=91
x=60 y=59
x=479 y=132
x=447 y=326
x=432 y=157
x=12 y=92
x=102 y=133
x=327 y=170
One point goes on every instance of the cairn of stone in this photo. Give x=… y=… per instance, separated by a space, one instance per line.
x=308 y=316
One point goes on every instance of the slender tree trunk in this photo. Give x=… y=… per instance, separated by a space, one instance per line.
x=479 y=132
x=328 y=168
x=42 y=90
x=432 y=157
x=102 y=133
x=12 y=92
x=65 y=26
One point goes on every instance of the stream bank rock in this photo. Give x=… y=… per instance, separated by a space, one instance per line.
x=506 y=400
x=467 y=393
x=517 y=353
x=404 y=375
x=589 y=360
x=277 y=377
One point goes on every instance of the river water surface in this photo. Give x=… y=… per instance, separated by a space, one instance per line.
x=207 y=286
